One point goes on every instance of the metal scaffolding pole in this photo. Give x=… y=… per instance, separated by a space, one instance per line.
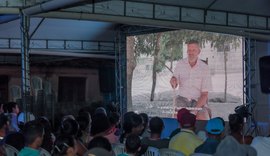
x=120 y=71
x=249 y=78
x=25 y=79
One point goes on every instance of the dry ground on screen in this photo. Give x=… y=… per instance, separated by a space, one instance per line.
x=163 y=105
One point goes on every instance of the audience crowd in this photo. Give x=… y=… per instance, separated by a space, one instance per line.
x=99 y=132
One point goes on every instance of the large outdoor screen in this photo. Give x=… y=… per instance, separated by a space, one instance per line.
x=151 y=62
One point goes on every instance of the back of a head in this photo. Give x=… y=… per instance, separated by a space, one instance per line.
x=100 y=142
x=46 y=124
x=128 y=114
x=230 y=146
x=145 y=118
x=134 y=120
x=156 y=125
x=69 y=127
x=133 y=143
x=16 y=140
x=32 y=130
x=100 y=110
x=97 y=152
x=236 y=122
x=114 y=118
x=61 y=145
x=47 y=138
x=84 y=120
x=10 y=106
x=100 y=123
x=3 y=120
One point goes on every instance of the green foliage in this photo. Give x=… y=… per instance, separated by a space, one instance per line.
x=170 y=47
x=171 y=44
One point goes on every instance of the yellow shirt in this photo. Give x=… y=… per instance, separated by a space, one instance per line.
x=185 y=141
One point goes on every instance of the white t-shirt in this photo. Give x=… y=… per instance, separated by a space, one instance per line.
x=262 y=145
x=193 y=80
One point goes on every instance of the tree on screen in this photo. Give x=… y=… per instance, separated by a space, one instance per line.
x=222 y=41
x=148 y=45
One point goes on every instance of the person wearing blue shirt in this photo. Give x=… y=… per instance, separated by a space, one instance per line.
x=215 y=132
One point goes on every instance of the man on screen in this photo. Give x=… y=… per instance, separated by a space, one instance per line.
x=192 y=77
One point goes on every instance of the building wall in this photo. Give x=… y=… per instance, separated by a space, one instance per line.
x=50 y=77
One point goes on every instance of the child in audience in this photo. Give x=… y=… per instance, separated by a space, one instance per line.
x=132 y=146
x=70 y=127
x=133 y=124
x=33 y=133
x=215 y=133
x=236 y=123
x=145 y=132
x=156 y=126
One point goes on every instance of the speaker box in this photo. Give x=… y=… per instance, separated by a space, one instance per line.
x=264 y=64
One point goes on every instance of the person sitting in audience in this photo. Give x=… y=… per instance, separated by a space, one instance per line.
x=33 y=133
x=100 y=142
x=156 y=126
x=21 y=119
x=132 y=146
x=84 y=120
x=13 y=110
x=4 y=125
x=70 y=127
x=236 y=123
x=215 y=131
x=132 y=124
x=179 y=115
x=145 y=131
x=101 y=127
x=64 y=146
x=114 y=119
x=186 y=141
x=1 y=107
x=98 y=152
x=16 y=140
x=229 y=146
x=114 y=132
x=262 y=145
x=47 y=143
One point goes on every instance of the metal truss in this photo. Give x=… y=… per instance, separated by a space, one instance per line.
x=141 y=12
x=83 y=46
x=132 y=30
x=250 y=78
x=120 y=71
x=25 y=67
x=16 y=3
